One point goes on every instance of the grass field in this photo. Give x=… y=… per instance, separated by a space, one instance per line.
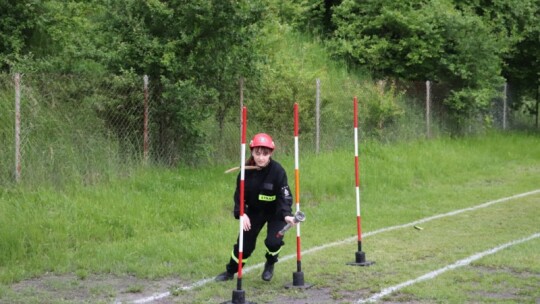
x=510 y=275
x=130 y=239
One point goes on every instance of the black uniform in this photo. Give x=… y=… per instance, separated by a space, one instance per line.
x=267 y=200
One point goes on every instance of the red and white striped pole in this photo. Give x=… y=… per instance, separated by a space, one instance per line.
x=360 y=255
x=297 y=188
x=238 y=296
x=298 y=276
x=242 y=178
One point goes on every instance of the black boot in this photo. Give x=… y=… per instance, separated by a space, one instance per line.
x=231 y=269
x=268 y=272
x=225 y=276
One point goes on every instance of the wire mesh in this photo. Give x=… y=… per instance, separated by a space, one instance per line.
x=88 y=129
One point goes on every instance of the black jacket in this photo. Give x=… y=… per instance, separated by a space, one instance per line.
x=265 y=191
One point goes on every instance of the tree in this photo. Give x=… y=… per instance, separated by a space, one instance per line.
x=419 y=40
x=523 y=71
x=316 y=16
x=18 y=21
x=50 y=36
x=518 y=22
x=194 y=53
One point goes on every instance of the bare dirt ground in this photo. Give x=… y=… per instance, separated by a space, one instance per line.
x=91 y=289
x=127 y=289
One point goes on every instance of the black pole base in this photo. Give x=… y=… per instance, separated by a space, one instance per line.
x=361 y=260
x=298 y=281
x=238 y=297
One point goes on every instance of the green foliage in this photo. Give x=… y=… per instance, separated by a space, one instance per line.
x=316 y=17
x=52 y=36
x=519 y=23
x=388 y=37
x=7 y=131
x=66 y=134
x=291 y=12
x=282 y=85
x=194 y=52
x=419 y=41
x=466 y=102
x=180 y=118
x=77 y=50
x=285 y=79
x=18 y=21
x=118 y=102
x=382 y=103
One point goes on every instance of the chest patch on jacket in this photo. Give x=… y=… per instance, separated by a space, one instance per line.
x=267 y=198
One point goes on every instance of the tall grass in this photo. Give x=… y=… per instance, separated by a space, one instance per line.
x=178 y=222
x=62 y=139
x=7 y=130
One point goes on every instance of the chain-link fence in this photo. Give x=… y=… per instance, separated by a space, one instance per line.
x=57 y=128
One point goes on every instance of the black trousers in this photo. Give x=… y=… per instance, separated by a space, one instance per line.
x=274 y=224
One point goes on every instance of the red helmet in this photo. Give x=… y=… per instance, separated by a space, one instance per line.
x=262 y=140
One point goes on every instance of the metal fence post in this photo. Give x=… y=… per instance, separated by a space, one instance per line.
x=317 y=115
x=505 y=93
x=17 y=79
x=428 y=109
x=145 y=122
x=537 y=104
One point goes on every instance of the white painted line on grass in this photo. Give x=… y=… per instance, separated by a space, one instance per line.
x=152 y=298
x=160 y=296
x=411 y=224
x=437 y=272
x=345 y=241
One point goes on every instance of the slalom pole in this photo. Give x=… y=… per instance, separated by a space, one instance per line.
x=360 y=255
x=298 y=276
x=238 y=295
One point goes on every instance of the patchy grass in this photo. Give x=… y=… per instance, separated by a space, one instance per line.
x=163 y=229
